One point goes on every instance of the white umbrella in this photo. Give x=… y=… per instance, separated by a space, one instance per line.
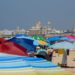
x=63 y=45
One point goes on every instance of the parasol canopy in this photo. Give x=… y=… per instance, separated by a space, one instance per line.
x=20 y=66
x=36 y=37
x=12 y=48
x=63 y=45
x=26 y=42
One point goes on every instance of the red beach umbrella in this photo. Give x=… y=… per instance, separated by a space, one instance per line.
x=70 y=36
x=12 y=48
x=2 y=40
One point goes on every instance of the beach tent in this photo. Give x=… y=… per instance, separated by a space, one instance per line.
x=26 y=42
x=12 y=48
x=18 y=65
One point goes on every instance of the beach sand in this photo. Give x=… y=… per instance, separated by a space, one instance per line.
x=71 y=63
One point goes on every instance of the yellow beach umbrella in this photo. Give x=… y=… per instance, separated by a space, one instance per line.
x=42 y=42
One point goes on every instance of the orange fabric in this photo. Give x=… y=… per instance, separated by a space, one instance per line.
x=42 y=42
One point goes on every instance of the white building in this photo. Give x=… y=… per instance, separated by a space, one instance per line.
x=42 y=29
x=19 y=30
x=7 y=32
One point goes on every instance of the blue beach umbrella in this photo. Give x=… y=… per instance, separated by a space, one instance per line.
x=18 y=35
x=66 y=39
x=23 y=62
x=55 y=38
x=24 y=36
x=8 y=57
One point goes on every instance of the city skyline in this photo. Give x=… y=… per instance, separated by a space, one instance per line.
x=25 y=13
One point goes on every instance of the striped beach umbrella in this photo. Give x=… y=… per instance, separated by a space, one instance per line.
x=18 y=65
x=25 y=41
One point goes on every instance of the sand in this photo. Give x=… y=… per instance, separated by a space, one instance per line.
x=71 y=63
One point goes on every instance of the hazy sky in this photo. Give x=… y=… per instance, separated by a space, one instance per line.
x=25 y=13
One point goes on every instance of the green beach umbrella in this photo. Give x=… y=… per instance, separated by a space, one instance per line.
x=36 y=37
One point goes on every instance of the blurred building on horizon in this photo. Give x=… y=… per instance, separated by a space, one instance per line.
x=38 y=28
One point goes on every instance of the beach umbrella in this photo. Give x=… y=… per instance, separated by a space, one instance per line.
x=26 y=42
x=63 y=45
x=48 y=44
x=24 y=67
x=38 y=37
x=12 y=48
x=2 y=40
x=35 y=42
x=24 y=36
x=42 y=42
x=11 y=57
x=20 y=35
x=70 y=36
x=55 y=38
x=74 y=43
x=65 y=39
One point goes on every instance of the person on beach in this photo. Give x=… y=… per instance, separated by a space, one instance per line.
x=68 y=51
x=41 y=53
x=50 y=53
x=64 y=59
x=31 y=54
